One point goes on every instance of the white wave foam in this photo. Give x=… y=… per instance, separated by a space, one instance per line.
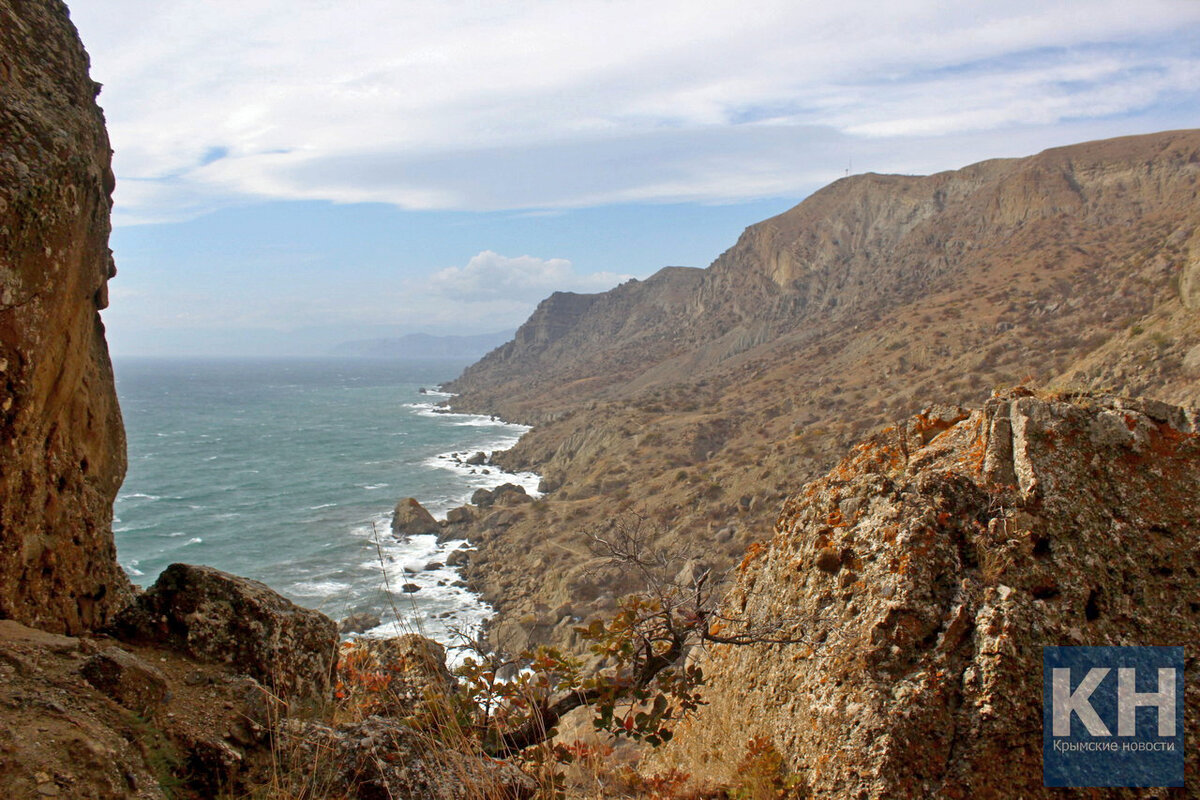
x=321 y=589
x=193 y=540
x=323 y=505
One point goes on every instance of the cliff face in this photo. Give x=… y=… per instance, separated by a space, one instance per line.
x=702 y=401
x=62 y=447
x=575 y=345
x=922 y=576
x=866 y=247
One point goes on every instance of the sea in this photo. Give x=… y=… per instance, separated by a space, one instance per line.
x=287 y=471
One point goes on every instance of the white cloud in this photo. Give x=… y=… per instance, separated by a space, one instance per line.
x=489 y=277
x=443 y=103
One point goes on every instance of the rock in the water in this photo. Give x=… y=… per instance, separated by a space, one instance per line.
x=357 y=623
x=921 y=579
x=457 y=558
x=477 y=459
x=410 y=588
x=62 y=457
x=213 y=616
x=411 y=519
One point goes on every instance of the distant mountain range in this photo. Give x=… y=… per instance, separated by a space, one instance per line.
x=423 y=345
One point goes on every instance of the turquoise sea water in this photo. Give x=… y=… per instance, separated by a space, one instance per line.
x=287 y=471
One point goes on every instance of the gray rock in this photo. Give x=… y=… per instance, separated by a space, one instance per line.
x=220 y=618
x=357 y=623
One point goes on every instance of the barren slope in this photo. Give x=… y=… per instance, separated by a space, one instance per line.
x=700 y=399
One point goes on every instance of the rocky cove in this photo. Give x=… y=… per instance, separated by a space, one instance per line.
x=898 y=439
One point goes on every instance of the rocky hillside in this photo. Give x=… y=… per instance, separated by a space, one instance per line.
x=699 y=399
x=62 y=457
x=921 y=577
x=1013 y=242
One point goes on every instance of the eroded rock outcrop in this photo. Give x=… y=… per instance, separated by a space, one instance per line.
x=922 y=577
x=220 y=618
x=62 y=447
x=411 y=519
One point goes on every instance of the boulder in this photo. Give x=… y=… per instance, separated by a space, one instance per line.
x=477 y=459
x=510 y=494
x=457 y=558
x=138 y=686
x=357 y=623
x=460 y=515
x=220 y=618
x=411 y=519
x=506 y=494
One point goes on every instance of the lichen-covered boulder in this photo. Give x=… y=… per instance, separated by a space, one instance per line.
x=919 y=581
x=411 y=519
x=62 y=447
x=221 y=618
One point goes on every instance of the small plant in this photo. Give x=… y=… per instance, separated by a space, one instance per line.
x=762 y=775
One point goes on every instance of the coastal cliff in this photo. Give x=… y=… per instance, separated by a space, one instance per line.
x=920 y=576
x=1074 y=269
x=1084 y=235
x=62 y=457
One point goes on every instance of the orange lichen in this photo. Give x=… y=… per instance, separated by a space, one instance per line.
x=752 y=552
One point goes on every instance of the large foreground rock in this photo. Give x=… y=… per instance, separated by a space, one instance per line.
x=921 y=579
x=62 y=448
x=221 y=618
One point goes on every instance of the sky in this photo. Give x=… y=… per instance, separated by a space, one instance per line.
x=292 y=174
